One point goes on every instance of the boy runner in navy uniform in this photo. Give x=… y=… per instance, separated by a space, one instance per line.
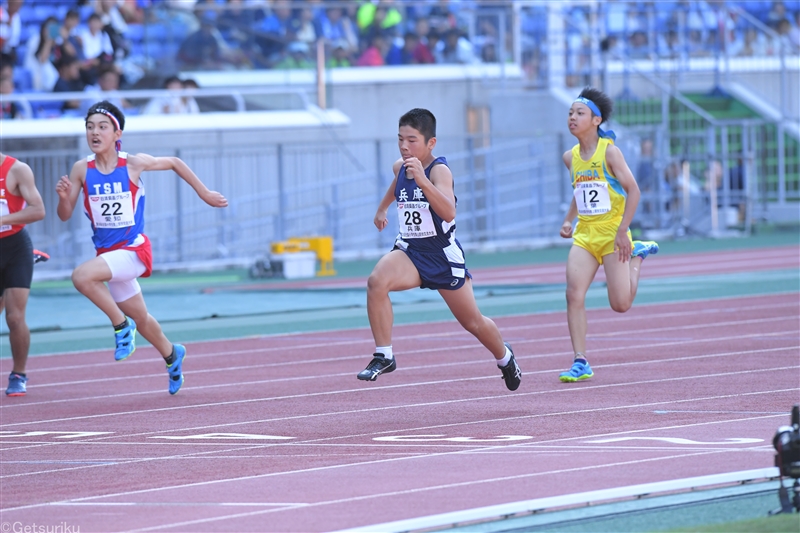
x=605 y=199
x=20 y=204
x=114 y=203
x=426 y=253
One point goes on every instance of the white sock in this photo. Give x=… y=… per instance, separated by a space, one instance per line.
x=506 y=358
x=386 y=351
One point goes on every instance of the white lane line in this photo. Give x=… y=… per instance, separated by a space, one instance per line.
x=445 y=322
x=470 y=345
x=422 y=456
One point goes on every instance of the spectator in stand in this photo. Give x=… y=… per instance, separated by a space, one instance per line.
x=638 y=47
x=374 y=53
x=6 y=66
x=794 y=33
x=202 y=49
x=10 y=28
x=107 y=80
x=489 y=53
x=381 y=17
x=403 y=55
x=457 y=49
x=69 y=80
x=784 y=30
x=171 y=104
x=10 y=109
x=40 y=53
x=754 y=44
x=336 y=27
x=297 y=57
x=277 y=30
x=68 y=41
x=423 y=54
x=340 y=57
x=305 y=27
x=114 y=25
x=96 y=48
x=776 y=14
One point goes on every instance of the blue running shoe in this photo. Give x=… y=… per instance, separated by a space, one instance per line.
x=578 y=372
x=175 y=370
x=16 y=385
x=126 y=341
x=644 y=248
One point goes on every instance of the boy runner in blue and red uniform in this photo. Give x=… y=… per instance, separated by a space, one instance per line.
x=114 y=203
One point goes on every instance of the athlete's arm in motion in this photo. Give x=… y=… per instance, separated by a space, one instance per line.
x=619 y=168
x=68 y=189
x=572 y=212
x=380 y=220
x=438 y=189
x=143 y=162
x=20 y=182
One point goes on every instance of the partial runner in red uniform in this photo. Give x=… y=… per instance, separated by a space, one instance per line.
x=113 y=201
x=20 y=204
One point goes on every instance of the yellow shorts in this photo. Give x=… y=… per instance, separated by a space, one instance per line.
x=597 y=239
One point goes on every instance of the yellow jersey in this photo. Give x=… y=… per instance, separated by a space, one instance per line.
x=598 y=194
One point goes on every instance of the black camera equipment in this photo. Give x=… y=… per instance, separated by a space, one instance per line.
x=787 y=444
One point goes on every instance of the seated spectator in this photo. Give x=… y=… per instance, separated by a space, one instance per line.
x=10 y=109
x=69 y=80
x=277 y=30
x=114 y=25
x=339 y=57
x=336 y=27
x=638 y=47
x=378 y=18
x=754 y=44
x=171 y=104
x=203 y=49
x=404 y=55
x=784 y=30
x=373 y=54
x=68 y=41
x=305 y=29
x=10 y=28
x=297 y=57
x=39 y=56
x=96 y=47
x=489 y=53
x=457 y=49
x=6 y=66
x=794 y=33
x=107 y=80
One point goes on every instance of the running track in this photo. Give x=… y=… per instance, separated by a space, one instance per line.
x=276 y=434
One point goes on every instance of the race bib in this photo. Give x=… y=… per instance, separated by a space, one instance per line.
x=111 y=211
x=3 y=212
x=592 y=198
x=415 y=220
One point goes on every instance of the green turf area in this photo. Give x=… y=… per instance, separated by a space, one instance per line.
x=783 y=523
x=736 y=508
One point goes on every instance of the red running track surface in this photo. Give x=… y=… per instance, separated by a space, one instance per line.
x=276 y=433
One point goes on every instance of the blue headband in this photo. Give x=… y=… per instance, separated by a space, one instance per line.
x=596 y=110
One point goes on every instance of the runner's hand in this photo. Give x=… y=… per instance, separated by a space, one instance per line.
x=380 y=220
x=414 y=169
x=622 y=244
x=566 y=230
x=63 y=187
x=214 y=199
